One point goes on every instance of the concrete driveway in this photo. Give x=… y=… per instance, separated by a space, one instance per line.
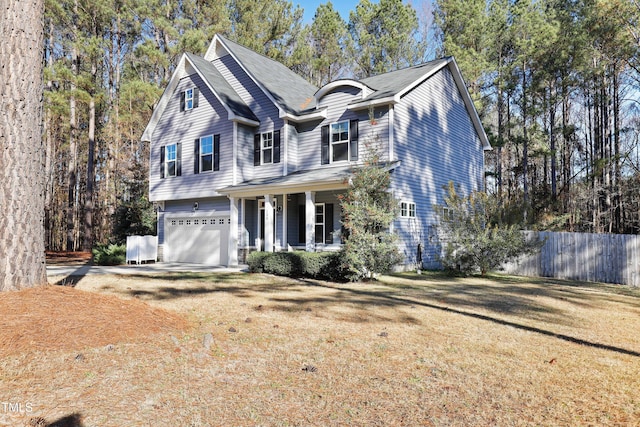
x=151 y=268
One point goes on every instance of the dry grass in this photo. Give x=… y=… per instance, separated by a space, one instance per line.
x=409 y=350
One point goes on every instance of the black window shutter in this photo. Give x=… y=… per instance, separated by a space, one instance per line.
x=162 y=162
x=178 y=159
x=324 y=145
x=276 y=146
x=256 y=150
x=353 y=142
x=181 y=101
x=216 y=152
x=196 y=93
x=328 y=223
x=302 y=225
x=196 y=156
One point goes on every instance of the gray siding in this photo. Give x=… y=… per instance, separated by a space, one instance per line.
x=370 y=133
x=176 y=126
x=266 y=111
x=436 y=143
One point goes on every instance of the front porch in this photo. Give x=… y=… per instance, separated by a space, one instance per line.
x=296 y=212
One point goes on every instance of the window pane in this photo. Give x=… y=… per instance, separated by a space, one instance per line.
x=340 y=152
x=206 y=145
x=412 y=210
x=266 y=156
x=188 y=99
x=207 y=163
x=171 y=168
x=267 y=140
x=319 y=233
x=171 y=152
x=340 y=132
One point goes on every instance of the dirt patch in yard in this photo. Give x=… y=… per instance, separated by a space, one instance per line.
x=61 y=318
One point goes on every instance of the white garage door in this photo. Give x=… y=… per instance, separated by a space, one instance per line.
x=198 y=240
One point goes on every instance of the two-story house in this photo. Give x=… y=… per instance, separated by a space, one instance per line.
x=247 y=155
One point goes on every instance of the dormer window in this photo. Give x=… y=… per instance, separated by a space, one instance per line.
x=189 y=99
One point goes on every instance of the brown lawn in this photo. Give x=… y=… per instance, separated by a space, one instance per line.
x=408 y=350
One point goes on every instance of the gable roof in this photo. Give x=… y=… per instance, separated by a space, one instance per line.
x=296 y=98
x=388 y=88
x=223 y=89
x=231 y=101
x=394 y=82
x=292 y=93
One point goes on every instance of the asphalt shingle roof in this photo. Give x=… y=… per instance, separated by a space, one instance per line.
x=292 y=92
x=224 y=90
x=390 y=84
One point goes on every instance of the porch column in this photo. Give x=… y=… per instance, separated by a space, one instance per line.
x=285 y=243
x=268 y=223
x=310 y=217
x=233 y=232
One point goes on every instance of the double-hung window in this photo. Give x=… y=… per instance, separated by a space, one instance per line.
x=266 y=141
x=266 y=148
x=407 y=209
x=189 y=99
x=171 y=160
x=206 y=154
x=339 y=142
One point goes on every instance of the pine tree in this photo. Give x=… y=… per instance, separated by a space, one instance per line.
x=369 y=208
x=22 y=159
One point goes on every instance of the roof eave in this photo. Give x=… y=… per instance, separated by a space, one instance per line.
x=163 y=101
x=262 y=189
x=466 y=96
x=301 y=118
x=390 y=100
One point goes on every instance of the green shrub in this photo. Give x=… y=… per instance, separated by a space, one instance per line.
x=313 y=265
x=109 y=254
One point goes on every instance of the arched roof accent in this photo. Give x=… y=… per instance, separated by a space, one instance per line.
x=329 y=87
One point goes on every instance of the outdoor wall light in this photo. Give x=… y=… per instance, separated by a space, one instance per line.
x=195 y=206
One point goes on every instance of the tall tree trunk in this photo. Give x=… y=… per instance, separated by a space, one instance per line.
x=88 y=202
x=22 y=263
x=525 y=145
x=72 y=205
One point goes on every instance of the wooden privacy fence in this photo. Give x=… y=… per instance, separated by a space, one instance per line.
x=609 y=258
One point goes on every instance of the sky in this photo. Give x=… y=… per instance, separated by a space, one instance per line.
x=342 y=6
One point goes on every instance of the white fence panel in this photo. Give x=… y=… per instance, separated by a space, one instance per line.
x=142 y=249
x=609 y=258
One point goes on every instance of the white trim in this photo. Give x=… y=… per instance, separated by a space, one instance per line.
x=366 y=91
x=468 y=102
x=269 y=231
x=316 y=115
x=285 y=205
x=391 y=124
x=234 y=155
x=284 y=145
x=232 y=251
x=310 y=220
x=408 y=209
x=373 y=103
